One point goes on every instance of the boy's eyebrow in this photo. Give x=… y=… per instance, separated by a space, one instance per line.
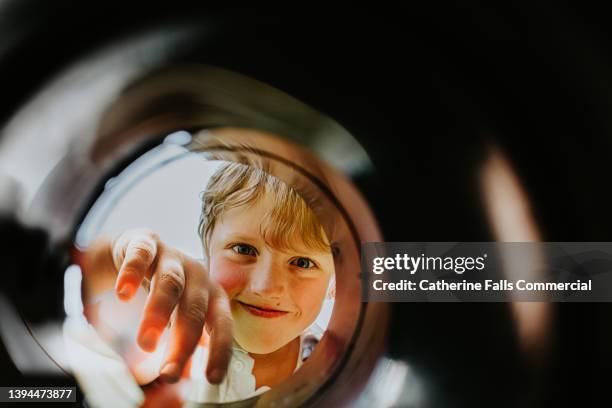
x=240 y=237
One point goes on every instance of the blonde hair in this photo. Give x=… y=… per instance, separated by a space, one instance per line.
x=235 y=185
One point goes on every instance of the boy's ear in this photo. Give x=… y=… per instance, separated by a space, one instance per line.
x=331 y=291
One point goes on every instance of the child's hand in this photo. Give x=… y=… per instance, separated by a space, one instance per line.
x=177 y=282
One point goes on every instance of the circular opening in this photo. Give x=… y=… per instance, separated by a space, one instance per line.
x=160 y=191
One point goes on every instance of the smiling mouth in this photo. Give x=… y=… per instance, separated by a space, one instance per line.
x=260 y=311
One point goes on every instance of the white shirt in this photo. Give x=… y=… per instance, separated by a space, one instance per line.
x=239 y=383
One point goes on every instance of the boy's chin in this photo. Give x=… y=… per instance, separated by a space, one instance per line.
x=260 y=344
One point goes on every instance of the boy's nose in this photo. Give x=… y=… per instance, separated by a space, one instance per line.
x=268 y=280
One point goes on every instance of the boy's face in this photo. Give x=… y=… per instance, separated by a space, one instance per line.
x=274 y=295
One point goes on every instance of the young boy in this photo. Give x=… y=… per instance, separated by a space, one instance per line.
x=266 y=270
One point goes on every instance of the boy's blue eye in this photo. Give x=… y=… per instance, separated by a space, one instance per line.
x=243 y=249
x=303 y=263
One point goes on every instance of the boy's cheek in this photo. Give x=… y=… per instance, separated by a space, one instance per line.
x=310 y=298
x=230 y=276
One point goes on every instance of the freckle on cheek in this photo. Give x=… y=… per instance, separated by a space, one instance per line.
x=228 y=275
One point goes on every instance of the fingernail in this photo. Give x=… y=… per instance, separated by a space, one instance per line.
x=170 y=372
x=148 y=341
x=125 y=291
x=216 y=376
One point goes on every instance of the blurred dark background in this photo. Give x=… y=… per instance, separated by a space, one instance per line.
x=425 y=89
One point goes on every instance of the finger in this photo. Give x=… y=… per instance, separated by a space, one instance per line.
x=139 y=256
x=167 y=287
x=219 y=321
x=186 y=332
